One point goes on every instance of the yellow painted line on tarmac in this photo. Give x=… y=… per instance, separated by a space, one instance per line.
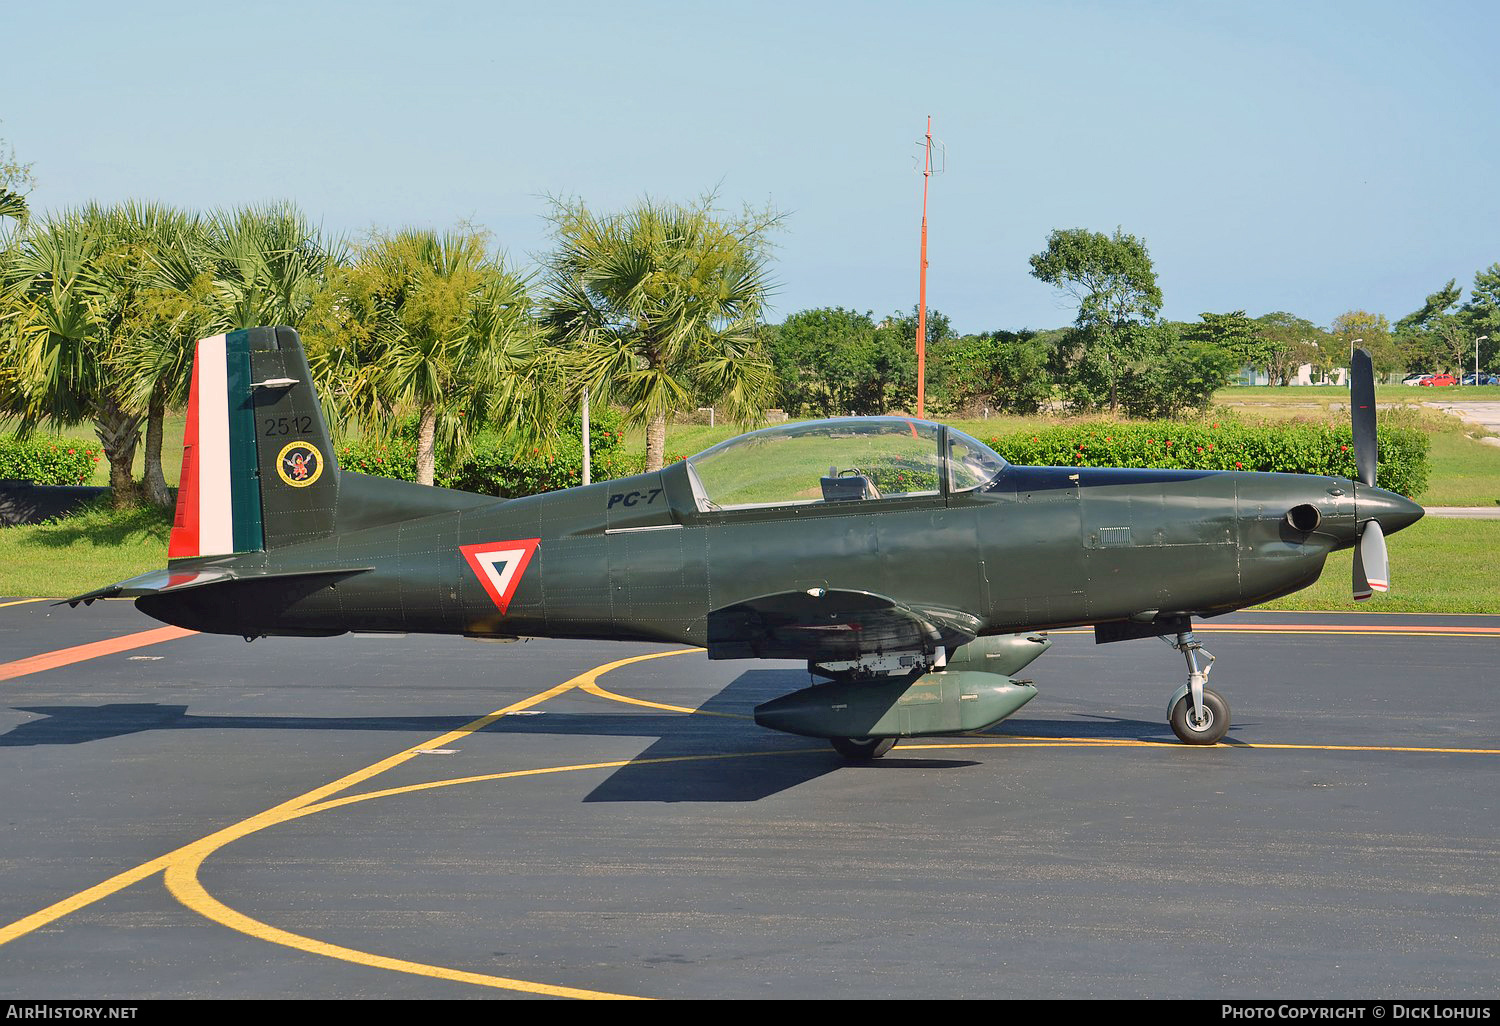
x=182 y=881
x=1028 y=741
x=181 y=866
x=1353 y=630
x=593 y=688
x=1371 y=748
x=1019 y=741
x=83 y=899
x=193 y=854
x=20 y=602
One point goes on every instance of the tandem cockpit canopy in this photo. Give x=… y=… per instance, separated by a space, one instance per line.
x=851 y=459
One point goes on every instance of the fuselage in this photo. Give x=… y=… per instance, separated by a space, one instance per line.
x=644 y=558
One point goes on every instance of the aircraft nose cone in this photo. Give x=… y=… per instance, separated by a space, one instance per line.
x=1393 y=511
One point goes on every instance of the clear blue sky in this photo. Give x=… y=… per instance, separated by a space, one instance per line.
x=1310 y=156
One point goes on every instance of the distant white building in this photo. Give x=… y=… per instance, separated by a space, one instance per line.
x=1306 y=375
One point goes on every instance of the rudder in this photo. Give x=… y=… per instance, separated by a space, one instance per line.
x=258 y=468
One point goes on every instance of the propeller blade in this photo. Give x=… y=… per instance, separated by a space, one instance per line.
x=1362 y=415
x=1372 y=570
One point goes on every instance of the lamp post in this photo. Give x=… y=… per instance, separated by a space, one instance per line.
x=1478 y=340
x=586 y=443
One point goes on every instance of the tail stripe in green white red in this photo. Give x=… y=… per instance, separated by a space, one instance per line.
x=218 y=497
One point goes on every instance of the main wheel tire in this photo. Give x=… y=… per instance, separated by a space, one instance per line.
x=862 y=749
x=1215 y=715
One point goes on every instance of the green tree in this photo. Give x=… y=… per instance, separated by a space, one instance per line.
x=153 y=354
x=821 y=358
x=1481 y=315
x=1374 y=331
x=267 y=263
x=16 y=180
x=1111 y=277
x=428 y=325
x=1423 y=337
x=1289 y=342
x=73 y=285
x=1007 y=369
x=1234 y=333
x=1439 y=303
x=1168 y=375
x=1115 y=285
x=658 y=308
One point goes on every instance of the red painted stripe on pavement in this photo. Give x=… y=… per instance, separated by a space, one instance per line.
x=93 y=650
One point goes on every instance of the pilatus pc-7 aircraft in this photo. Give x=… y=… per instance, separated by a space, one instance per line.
x=910 y=565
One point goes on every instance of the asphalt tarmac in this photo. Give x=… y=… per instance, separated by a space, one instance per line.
x=195 y=817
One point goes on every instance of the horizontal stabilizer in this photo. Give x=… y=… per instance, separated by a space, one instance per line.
x=158 y=581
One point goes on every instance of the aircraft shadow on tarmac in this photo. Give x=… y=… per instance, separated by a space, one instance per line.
x=758 y=762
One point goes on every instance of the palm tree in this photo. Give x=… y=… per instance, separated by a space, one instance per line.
x=12 y=207
x=174 y=310
x=429 y=324
x=658 y=308
x=70 y=285
x=234 y=269
x=268 y=264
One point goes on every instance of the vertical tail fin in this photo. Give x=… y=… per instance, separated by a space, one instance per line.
x=258 y=469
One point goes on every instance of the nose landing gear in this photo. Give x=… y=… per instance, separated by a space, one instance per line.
x=1197 y=715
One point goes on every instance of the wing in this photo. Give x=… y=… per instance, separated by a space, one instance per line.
x=833 y=625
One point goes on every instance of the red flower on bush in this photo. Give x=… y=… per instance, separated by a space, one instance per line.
x=1238 y=465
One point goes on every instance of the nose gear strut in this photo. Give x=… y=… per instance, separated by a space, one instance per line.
x=1197 y=715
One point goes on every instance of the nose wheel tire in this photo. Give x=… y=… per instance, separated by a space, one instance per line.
x=1208 y=731
x=862 y=749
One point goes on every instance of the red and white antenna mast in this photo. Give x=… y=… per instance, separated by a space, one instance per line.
x=927 y=172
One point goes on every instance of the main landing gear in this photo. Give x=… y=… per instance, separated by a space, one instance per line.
x=1198 y=716
x=862 y=749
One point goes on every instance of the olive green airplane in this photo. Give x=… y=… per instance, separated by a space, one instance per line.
x=911 y=567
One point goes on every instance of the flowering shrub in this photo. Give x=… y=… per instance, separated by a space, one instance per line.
x=394 y=458
x=1295 y=448
x=46 y=461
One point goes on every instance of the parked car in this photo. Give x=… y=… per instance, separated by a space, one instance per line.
x=1484 y=379
x=1416 y=379
x=1439 y=380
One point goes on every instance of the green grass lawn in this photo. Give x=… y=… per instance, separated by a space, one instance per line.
x=1383 y=394
x=96 y=547
x=1438 y=565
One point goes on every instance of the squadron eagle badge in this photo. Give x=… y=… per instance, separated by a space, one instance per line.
x=299 y=464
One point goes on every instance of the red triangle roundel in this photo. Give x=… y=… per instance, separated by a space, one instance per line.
x=499 y=566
